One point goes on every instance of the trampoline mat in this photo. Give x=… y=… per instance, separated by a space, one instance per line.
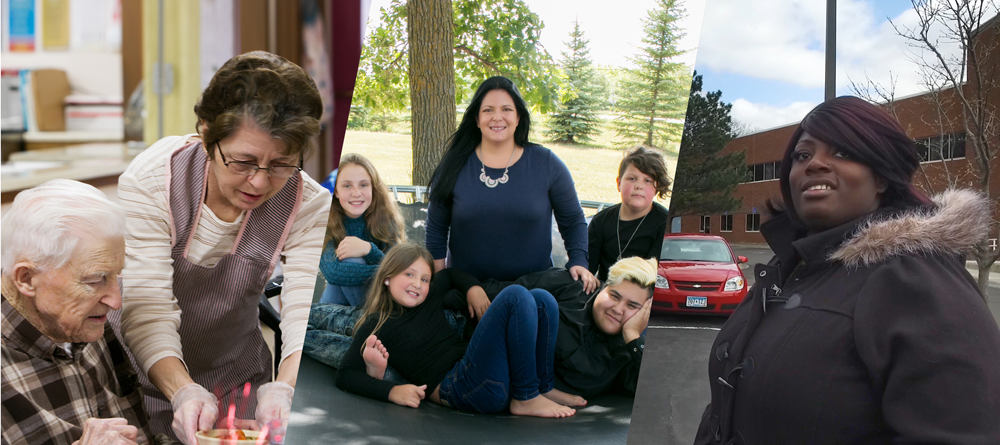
x=324 y=414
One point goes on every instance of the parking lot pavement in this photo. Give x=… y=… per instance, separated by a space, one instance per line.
x=673 y=386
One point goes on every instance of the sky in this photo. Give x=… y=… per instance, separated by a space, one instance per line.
x=766 y=56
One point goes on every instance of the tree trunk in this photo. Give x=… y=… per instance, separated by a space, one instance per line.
x=432 y=82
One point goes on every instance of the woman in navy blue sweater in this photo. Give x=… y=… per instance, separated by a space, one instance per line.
x=494 y=193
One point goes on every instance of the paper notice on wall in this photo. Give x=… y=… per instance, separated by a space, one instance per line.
x=95 y=26
x=5 y=25
x=218 y=42
x=21 y=20
x=55 y=25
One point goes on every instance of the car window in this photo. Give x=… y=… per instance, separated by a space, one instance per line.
x=714 y=251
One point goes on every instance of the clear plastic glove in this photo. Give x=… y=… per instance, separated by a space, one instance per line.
x=114 y=431
x=274 y=401
x=195 y=409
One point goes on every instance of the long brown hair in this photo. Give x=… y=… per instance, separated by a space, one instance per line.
x=383 y=219
x=378 y=300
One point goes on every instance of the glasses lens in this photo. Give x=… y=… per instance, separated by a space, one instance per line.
x=283 y=171
x=242 y=169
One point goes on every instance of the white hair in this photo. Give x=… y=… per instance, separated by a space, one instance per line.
x=45 y=223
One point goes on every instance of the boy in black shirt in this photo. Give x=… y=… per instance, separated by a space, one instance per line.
x=636 y=226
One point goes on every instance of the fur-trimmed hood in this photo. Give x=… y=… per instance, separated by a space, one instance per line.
x=960 y=219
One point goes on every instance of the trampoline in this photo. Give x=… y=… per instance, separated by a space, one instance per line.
x=324 y=414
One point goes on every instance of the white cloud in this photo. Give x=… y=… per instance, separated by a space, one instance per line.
x=784 y=41
x=765 y=39
x=762 y=116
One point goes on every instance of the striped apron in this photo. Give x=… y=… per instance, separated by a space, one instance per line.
x=220 y=333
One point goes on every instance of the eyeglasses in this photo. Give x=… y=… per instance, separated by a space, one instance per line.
x=244 y=168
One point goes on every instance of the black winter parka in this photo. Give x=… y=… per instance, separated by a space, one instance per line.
x=868 y=333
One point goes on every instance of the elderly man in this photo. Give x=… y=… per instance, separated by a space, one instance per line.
x=66 y=378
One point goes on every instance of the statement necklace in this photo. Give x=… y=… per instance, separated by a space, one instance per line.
x=490 y=182
x=618 y=233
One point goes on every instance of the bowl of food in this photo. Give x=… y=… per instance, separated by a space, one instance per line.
x=228 y=437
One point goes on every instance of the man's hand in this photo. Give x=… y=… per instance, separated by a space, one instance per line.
x=634 y=326
x=407 y=395
x=583 y=275
x=353 y=247
x=115 y=431
x=478 y=302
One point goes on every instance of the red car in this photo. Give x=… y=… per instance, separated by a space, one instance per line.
x=698 y=273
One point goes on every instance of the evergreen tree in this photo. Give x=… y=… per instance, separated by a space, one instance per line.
x=705 y=178
x=652 y=95
x=580 y=99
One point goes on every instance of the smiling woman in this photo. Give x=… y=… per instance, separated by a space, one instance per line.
x=494 y=193
x=209 y=218
x=866 y=316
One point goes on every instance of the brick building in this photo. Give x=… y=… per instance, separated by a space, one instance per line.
x=935 y=123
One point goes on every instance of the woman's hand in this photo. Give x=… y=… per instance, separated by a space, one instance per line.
x=634 y=326
x=407 y=395
x=478 y=302
x=353 y=247
x=194 y=410
x=274 y=402
x=581 y=273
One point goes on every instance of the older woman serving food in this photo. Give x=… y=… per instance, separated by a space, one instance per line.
x=209 y=218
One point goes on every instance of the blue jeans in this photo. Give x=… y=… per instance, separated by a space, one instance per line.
x=511 y=355
x=345 y=295
x=330 y=330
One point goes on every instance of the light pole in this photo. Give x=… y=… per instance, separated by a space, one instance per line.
x=831 y=49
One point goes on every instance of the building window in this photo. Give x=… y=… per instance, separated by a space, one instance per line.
x=706 y=224
x=993 y=244
x=753 y=222
x=727 y=223
x=944 y=147
x=766 y=171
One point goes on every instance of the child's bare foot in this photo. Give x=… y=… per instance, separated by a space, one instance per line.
x=376 y=357
x=563 y=398
x=539 y=407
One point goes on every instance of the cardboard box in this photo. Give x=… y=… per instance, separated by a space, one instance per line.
x=50 y=90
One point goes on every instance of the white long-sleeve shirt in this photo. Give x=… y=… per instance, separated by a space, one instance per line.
x=151 y=316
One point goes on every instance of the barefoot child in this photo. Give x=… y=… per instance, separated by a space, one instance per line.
x=507 y=363
x=635 y=227
x=364 y=223
x=600 y=343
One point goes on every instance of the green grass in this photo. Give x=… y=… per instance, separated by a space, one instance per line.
x=593 y=165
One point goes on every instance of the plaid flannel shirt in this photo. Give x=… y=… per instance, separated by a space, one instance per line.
x=48 y=394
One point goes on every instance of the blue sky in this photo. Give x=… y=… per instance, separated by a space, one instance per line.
x=767 y=56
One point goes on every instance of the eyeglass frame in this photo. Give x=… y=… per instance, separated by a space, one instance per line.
x=257 y=168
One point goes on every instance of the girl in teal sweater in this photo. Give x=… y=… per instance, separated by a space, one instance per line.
x=364 y=224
